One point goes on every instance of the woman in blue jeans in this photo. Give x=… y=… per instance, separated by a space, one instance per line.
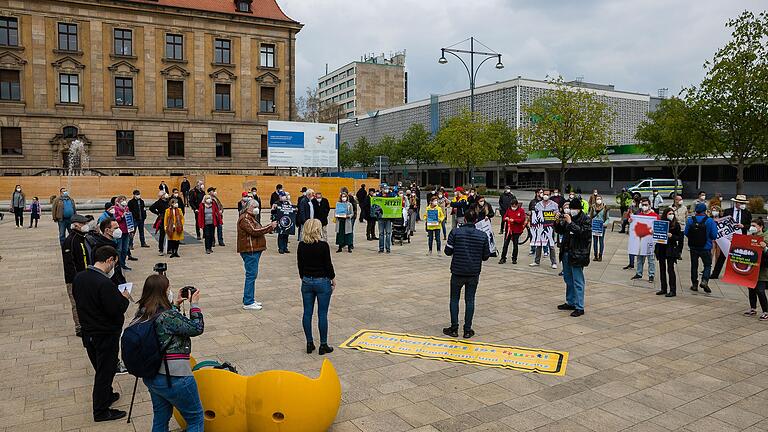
x=318 y=280
x=173 y=386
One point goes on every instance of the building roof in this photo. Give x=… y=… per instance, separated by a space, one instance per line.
x=267 y=9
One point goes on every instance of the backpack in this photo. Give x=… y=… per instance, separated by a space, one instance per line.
x=697 y=233
x=141 y=351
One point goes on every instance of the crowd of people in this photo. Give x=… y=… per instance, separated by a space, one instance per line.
x=96 y=252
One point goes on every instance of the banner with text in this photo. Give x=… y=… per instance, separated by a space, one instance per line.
x=660 y=231
x=743 y=265
x=392 y=208
x=726 y=228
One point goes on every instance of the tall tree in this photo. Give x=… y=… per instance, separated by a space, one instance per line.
x=329 y=112
x=568 y=123
x=732 y=100
x=415 y=146
x=388 y=147
x=346 y=156
x=308 y=106
x=364 y=153
x=462 y=142
x=671 y=136
x=505 y=137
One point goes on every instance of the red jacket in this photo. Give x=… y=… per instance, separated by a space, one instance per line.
x=216 y=215
x=516 y=222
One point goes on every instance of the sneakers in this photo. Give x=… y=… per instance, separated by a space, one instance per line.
x=636 y=276
x=533 y=264
x=705 y=286
x=577 y=313
x=514 y=261
x=670 y=294
x=750 y=312
x=694 y=287
x=161 y=253
x=764 y=316
x=566 y=306
x=628 y=266
x=650 y=279
x=468 y=333
x=109 y=415
x=451 y=331
x=253 y=306
x=502 y=261
x=661 y=292
x=121 y=370
x=554 y=266
x=130 y=258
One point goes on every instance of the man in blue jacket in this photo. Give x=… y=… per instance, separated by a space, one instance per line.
x=468 y=247
x=701 y=231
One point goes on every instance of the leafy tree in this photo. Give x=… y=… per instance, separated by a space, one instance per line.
x=462 y=142
x=364 y=154
x=388 y=147
x=415 y=146
x=346 y=156
x=569 y=124
x=505 y=137
x=732 y=100
x=670 y=136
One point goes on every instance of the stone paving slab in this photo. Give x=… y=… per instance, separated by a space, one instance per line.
x=638 y=362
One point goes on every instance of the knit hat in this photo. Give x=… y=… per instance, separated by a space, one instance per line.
x=576 y=204
x=701 y=208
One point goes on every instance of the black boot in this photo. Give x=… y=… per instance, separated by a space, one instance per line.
x=310 y=347
x=324 y=349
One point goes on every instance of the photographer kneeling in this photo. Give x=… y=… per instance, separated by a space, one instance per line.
x=174 y=385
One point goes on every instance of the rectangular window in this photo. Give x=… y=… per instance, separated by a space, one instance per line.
x=267 y=104
x=222 y=50
x=69 y=88
x=124 y=139
x=9 y=31
x=267 y=55
x=174 y=47
x=123 y=91
x=10 y=86
x=175 y=144
x=67 y=37
x=223 y=97
x=123 y=42
x=264 y=150
x=10 y=140
x=223 y=145
x=243 y=6
x=175 y=94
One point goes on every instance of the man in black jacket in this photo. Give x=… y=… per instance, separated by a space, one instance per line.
x=104 y=237
x=468 y=247
x=101 y=308
x=505 y=200
x=576 y=230
x=196 y=196
x=185 y=187
x=139 y=212
x=743 y=219
x=75 y=257
x=275 y=197
x=361 y=194
x=322 y=210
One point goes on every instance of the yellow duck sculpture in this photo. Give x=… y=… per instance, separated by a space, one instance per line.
x=271 y=401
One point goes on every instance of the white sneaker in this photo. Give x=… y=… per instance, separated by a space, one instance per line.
x=533 y=264
x=546 y=254
x=554 y=266
x=252 y=306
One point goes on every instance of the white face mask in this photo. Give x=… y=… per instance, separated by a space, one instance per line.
x=85 y=228
x=170 y=296
x=208 y=201
x=434 y=203
x=702 y=198
x=715 y=213
x=18 y=189
x=175 y=206
x=343 y=199
x=138 y=196
x=752 y=230
x=507 y=190
x=514 y=208
x=176 y=195
x=671 y=216
x=571 y=196
x=256 y=211
x=546 y=197
x=594 y=193
x=123 y=203
x=65 y=193
x=112 y=271
x=743 y=206
x=117 y=234
x=644 y=207
x=573 y=212
x=599 y=201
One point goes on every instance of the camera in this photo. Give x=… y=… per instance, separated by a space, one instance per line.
x=187 y=291
x=160 y=268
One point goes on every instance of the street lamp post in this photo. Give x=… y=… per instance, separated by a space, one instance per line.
x=471 y=69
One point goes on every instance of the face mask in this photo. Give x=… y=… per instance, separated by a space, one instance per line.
x=644 y=207
x=546 y=197
x=599 y=201
x=400 y=194
x=679 y=202
x=573 y=212
x=214 y=193
x=594 y=193
x=117 y=234
x=671 y=216
x=514 y=208
x=208 y=201
x=123 y=203
x=507 y=190
x=702 y=197
x=743 y=206
x=571 y=196
x=256 y=211
x=170 y=296
x=111 y=211
x=138 y=196
x=752 y=230
x=482 y=203
x=175 y=206
x=434 y=203
x=556 y=193
x=65 y=193
x=85 y=228
x=73 y=227
x=175 y=195
x=344 y=199
x=111 y=272
x=18 y=189
x=715 y=213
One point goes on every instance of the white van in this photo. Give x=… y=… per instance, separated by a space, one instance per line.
x=666 y=187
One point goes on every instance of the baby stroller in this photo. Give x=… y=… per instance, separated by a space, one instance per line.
x=400 y=231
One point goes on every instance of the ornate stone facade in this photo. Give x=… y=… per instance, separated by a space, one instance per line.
x=150 y=86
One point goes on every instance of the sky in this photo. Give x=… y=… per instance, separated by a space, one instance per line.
x=636 y=45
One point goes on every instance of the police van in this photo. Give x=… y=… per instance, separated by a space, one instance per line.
x=666 y=187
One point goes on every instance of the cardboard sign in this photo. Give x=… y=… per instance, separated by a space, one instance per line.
x=129 y=221
x=341 y=210
x=485 y=226
x=286 y=219
x=458 y=351
x=392 y=208
x=597 y=227
x=641 y=241
x=725 y=230
x=660 y=231
x=433 y=218
x=743 y=265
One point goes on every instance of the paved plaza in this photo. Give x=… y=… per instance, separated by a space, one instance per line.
x=638 y=362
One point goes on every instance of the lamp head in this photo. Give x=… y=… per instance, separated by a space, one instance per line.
x=442 y=59
x=499 y=64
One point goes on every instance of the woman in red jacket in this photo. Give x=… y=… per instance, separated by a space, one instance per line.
x=208 y=218
x=515 y=220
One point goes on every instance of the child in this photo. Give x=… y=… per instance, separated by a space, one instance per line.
x=34 y=209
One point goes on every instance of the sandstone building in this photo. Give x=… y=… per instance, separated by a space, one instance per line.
x=148 y=86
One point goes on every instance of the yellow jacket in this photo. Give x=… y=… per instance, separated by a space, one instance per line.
x=440 y=217
x=178 y=233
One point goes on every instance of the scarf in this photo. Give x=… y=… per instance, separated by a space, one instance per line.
x=174 y=222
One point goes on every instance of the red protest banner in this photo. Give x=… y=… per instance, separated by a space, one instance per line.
x=743 y=266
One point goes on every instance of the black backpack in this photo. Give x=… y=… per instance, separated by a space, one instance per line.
x=697 y=233
x=141 y=350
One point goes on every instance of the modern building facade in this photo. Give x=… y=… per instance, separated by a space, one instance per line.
x=371 y=84
x=624 y=164
x=147 y=86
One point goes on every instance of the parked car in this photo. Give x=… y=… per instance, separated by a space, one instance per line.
x=666 y=187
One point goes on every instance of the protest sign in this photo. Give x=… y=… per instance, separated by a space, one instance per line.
x=433 y=218
x=286 y=219
x=485 y=226
x=451 y=350
x=129 y=222
x=392 y=208
x=743 y=265
x=543 y=219
x=597 y=227
x=726 y=227
x=640 y=235
x=341 y=210
x=660 y=231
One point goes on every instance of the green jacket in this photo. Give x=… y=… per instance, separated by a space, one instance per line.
x=624 y=199
x=175 y=329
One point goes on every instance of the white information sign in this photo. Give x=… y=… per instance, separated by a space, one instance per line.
x=299 y=144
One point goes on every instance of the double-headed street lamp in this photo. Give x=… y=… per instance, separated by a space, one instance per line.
x=471 y=69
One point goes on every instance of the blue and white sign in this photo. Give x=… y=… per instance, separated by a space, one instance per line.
x=299 y=144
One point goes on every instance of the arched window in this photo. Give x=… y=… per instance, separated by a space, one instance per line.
x=69 y=132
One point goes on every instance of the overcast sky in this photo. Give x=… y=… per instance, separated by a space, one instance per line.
x=637 y=45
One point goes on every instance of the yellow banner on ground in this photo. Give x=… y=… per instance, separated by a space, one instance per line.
x=452 y=350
